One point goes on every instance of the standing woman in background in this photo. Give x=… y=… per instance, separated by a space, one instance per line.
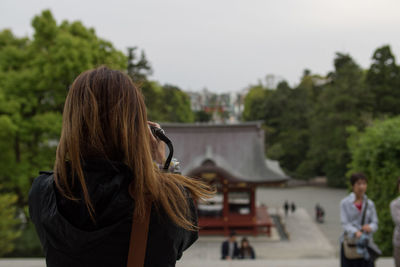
x=352 y=208
x=105 y=174
x=395 y=211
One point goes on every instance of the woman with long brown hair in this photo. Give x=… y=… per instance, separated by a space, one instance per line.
x=105 y=175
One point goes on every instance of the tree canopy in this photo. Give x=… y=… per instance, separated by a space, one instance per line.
x=34 y=79
x=307 y=126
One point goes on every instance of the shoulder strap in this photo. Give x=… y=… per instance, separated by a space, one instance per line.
x=138 y=242
x=364 y=211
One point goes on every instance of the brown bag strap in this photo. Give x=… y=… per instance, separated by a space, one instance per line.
x=138 y=242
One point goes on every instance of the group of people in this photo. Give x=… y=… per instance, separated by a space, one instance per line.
x=287 y=207
x=359 y=221
x=230 y=249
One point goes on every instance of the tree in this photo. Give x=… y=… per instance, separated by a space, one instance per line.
x=285 y=114
x=376 y=152
x=254 y=103
x=164 y=103
x=175 y=105
x=8 y=223
x=202 y=116
x=383 y=79
x=139 y=67
x=34 y=78
x=342 y=103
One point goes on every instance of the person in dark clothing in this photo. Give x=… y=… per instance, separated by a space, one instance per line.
x=229 y=248
x=319 y=213
x=105 y=175
x=246 y=251
x=286 y=207
x=293 y=207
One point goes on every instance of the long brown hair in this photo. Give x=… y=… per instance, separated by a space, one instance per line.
x=105 y=117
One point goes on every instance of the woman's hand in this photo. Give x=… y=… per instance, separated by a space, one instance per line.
x=358 y=234
x=156 y=145
x=366 y=228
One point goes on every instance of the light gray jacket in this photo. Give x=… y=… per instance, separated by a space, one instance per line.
x=395 y=211
x=350 y=216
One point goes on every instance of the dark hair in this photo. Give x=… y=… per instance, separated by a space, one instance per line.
x=357 y=176
x=243 y=249
x=232 y=233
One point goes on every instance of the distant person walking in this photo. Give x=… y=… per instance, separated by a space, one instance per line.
x=395 y=211
x=319 y=213
x=352 y=209
x=293 y=207
x=286 y=207
x=246 y=251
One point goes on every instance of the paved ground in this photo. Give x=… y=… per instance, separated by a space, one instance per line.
x=307 y=198
x=385 y=262
x=310 y=244
x=306 y=241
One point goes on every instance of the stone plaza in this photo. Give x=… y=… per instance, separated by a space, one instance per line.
x=310 y=244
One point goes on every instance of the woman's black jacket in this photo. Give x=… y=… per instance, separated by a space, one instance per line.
x=70 y=238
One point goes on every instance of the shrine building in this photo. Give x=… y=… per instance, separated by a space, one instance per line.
x=231 y=158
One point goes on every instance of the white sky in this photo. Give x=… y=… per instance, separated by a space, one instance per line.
x=225 y=45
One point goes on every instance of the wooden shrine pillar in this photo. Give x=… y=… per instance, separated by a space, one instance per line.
x=225 y=212
x=253 y=211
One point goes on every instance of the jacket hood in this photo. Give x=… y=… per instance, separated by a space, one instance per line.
x=67 y=223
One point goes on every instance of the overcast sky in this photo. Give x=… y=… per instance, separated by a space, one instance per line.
x=225 y=45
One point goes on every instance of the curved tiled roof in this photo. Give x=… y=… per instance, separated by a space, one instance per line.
x=238 y=149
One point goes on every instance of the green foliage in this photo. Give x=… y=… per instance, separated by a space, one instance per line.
x=152 y=92
x=376 y=152
x=138 y=66
x=285 y=114
x=8 y=223
x=34 y=78
x=306 y=126
x=340 y=105
x=202 y=116
x=383 y=80
x=27 y=244
x=166 y=103
x=254 y=103
x=175 y=105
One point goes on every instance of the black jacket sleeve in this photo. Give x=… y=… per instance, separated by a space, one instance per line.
x=35 y=200
x=189 y=237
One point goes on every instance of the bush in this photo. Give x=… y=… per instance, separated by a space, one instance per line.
x=376 y=152
x=28 y=244
x=8 y=223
